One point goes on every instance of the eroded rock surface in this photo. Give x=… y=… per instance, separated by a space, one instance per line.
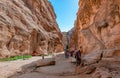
x=27 y=26
x=97 y=29
x=67 y=37
x=97 y=34
x=64 y=38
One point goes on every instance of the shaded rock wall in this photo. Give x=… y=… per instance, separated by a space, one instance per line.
x=27 y=26
x=67 y=37
x=97 y=29
x=64 y=40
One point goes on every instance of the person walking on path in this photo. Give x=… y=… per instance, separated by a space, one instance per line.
x=72 y=59
x=78 y=61
x=78 y=57
x=67 y=54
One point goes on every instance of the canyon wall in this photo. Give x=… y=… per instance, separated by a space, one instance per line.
x=27 y=26
x=97 y=30
x=66 y=37
x=64 y=40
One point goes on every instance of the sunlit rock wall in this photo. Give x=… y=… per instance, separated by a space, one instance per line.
x=97 y=29
x=27 y=26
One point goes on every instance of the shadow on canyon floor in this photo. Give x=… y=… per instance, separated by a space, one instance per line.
x=62 y=69
x=65 y=69
x=28 y=68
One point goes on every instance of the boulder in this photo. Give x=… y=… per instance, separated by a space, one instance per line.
x=46 y=62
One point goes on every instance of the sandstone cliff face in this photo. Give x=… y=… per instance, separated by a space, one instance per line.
x=27 y=26
x=64 y=40
x=67 y=37
x=97 y=29
x=97 y=34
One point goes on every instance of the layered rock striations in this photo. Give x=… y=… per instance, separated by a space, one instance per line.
x=27 y=26
x=67 y=37
x=97 y=35
x=97 y=29
x=64 y=40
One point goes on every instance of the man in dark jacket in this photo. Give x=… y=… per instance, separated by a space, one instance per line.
x=78 y=60
x=78 y=57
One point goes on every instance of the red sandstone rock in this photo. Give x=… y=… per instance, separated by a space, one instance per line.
x=27 y=26
x=97 y=32
x=97 y=29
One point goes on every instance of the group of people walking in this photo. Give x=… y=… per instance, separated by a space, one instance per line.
x=74 y=54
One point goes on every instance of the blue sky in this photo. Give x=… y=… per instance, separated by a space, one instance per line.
x=66 y=13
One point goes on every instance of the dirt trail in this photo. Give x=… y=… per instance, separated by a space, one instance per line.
x=62 y=69
x=27 y=69
x=9 y=68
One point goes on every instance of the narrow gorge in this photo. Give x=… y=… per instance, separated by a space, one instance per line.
x=28 y=26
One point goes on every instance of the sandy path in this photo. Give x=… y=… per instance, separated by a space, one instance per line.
x=62 y=69
x=26 y=69
x=9 y=68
